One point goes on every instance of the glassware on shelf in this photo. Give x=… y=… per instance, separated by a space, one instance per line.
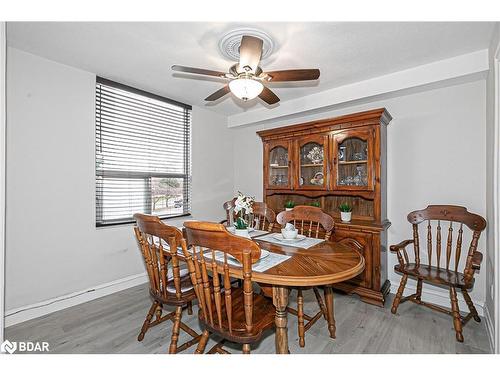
x=358 y=156
x=360 y=178
x=342 y=153
x=349 y=180
x=315 y=155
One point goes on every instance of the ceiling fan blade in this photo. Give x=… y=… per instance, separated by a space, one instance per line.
x=268 y=96
x=250 y=52
x=205 y=72
x=293 y=75
x=218 y=94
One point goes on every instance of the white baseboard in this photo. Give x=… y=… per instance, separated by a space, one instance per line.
x=438 y=297
x=490 y=328
x=42 y=308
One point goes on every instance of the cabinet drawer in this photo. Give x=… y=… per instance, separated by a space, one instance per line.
x=363 y=243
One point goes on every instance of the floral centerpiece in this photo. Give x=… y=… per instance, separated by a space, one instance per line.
x=243 y=209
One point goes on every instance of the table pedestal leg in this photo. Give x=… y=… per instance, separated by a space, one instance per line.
x=280 y=301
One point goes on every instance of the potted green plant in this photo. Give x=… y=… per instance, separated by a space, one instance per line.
x=241 y=228
x=315 y=204
x=345 y=212
x=289 y=205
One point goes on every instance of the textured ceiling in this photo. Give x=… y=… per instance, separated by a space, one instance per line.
x=141 y=53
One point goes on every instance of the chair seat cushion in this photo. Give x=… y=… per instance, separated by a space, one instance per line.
x=433 y=275
x=262 y=318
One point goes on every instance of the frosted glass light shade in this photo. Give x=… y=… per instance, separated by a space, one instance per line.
x=245 y=88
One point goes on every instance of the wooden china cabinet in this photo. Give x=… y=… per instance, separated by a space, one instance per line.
x=329 y=162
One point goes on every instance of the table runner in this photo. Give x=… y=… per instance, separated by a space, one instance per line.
x=304 y=244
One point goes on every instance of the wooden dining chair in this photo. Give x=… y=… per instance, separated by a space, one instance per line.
x=311 y=222
x=263 y=216
x=169 y=284
x=235 y=314
x=435 y=270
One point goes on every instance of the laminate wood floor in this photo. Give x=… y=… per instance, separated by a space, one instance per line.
x=111 y=324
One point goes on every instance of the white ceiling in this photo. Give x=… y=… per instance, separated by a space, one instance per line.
x=140 y=54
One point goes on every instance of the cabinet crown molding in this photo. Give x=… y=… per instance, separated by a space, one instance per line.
x=379 y=116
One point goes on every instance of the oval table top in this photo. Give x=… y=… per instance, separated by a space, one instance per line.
x=325 y=263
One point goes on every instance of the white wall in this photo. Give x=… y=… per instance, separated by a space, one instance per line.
x=3 y=53
x=492 y=193
x=436 y=155
x=53 y=246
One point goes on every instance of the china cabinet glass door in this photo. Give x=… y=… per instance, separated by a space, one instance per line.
x=352 y=154
x=312 y=162
x=278 y=165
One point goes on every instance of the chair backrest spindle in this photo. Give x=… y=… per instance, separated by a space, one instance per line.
x=448 y=245
x=438 y=244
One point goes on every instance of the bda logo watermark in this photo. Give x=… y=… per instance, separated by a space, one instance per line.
x=24 y=346
x=8 y=347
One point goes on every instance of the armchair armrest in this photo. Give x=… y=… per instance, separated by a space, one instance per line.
x=400 y=246
x=477 y=258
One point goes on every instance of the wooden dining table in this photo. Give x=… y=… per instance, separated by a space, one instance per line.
x=323 y=264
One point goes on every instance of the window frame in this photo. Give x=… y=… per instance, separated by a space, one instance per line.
x=146 y=176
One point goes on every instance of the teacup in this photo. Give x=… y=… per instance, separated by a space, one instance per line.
x=289 y=234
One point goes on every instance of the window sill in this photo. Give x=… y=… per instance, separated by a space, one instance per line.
x=129 y=222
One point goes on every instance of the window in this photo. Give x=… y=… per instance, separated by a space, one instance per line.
x=142 y=154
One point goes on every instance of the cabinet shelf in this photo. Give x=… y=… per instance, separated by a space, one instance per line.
x=278 y=166
x=353 y=162
x=311 y=165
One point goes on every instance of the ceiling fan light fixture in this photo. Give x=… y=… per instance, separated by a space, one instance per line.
x=246 y=88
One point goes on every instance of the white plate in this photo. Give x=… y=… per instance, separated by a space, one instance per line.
x=279 y=237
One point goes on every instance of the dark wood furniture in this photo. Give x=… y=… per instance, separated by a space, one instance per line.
x=440 y=264
x=235 y=314
x=169 y=285
x=329 y=162
x=264 y=217
x=324 y=264
x=311 y=221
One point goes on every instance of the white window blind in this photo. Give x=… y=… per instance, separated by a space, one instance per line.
x=142 y=154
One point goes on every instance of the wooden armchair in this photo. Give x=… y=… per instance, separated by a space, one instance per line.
x=235 y=314
x=264 y=217
x=168 y=286
x=441 y=272
x=311 y=222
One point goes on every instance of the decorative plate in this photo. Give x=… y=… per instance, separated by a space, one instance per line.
x=279 y=237
x=318 y=179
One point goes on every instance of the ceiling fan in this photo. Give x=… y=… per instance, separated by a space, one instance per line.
x=246 y=78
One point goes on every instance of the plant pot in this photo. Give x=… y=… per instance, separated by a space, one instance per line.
x=288 y=209
x=345 y=216
x=242 y=233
